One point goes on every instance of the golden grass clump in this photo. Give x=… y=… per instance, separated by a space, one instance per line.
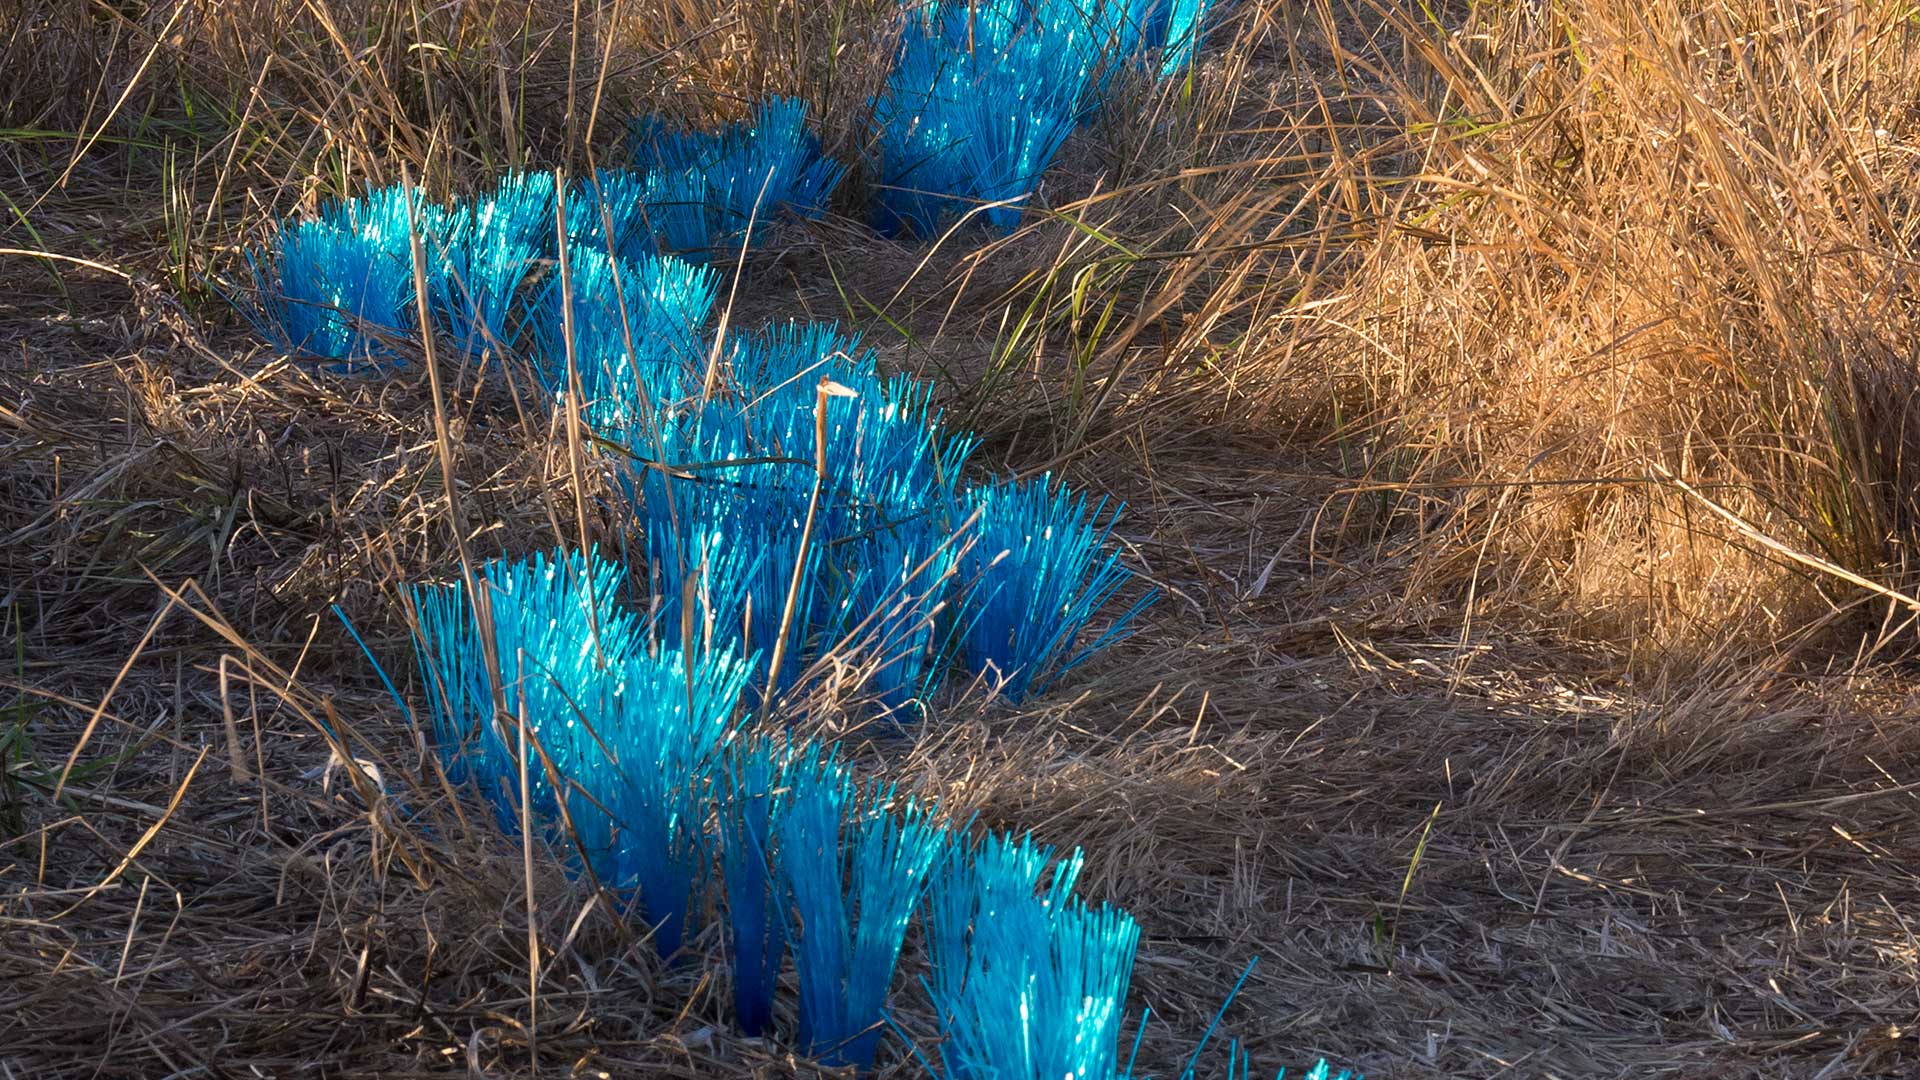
x=1635 y=341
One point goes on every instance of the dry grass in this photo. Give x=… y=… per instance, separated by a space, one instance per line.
x=1422 y=350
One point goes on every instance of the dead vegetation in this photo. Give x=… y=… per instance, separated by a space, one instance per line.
x=1511 y=402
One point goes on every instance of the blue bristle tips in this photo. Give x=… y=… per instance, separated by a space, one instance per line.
x=855 y=868
x=1040 y=569
x=748 y=174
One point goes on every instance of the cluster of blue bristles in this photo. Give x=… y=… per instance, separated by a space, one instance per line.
x=583 y=720
x=984 y=92
x=806 y=522
x=981 y=97
x=342 y=285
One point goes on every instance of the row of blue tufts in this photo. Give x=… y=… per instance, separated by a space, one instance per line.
x=342 y=285
x=578 y=719
x=794 y=497
x=805 y=516
x=981 y=97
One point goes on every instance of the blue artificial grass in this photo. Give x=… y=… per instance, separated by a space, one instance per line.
x=635 y=324
x=674 y=204
x=756 y=771
x=1177 y=30
x=854 y=871
x=983 y=95
x=632 y=215
x=741 y=468
x=772 y=164
x=522 y=209
x=743 y=526
x=477 y=283
x=340 y=286
x=903 y=579
x=1027 y=981
x=750 y=173
x=885 y=450
x=966 y=120
x=606 y=212
x=1039 y=570
x=556 y=634
x=980 y=100
x=973 y=881
x=649 y=768
x=632 y=730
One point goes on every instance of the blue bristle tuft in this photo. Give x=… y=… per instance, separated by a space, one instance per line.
x=652 y=779
x=886 y=456
x=854 y=872
x=887 y=505
x=773 y=164
x=632 y=731
x=1179 y=33
x=556 y=633
x=1039 y=569
x=979 y=102
x=606 y=212
x=903 y=576
x=750 y=173
x=632 y=320
x=521 y=210
x=1025 y=983
x=337 y=286
x=476 y=284
x=743 y=524
x=632 y=215
x=757 y=770
x=675 y=204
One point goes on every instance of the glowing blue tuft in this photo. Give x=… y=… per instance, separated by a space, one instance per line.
x=1025 y=984
x=556 y=633
x=854 y=872
x=1039 y=569
x=522 y=210
x=979 y=102
x=737 y=529
x=340 y=285
x=1179 y=33
x=903 y=579
x=652 y=779
x=631 y=321
x=983 y=95
x=751 y=172
x=675 y=204
x=757 y=770
x=886 y=457
x=476 y=284
x=742 y=469
x=632 y=732
x=607 y=213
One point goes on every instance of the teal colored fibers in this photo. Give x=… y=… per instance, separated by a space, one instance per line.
x=1040 y=568
x=1027 y=981
x=855 y=870
x=756 y=771
x=751 y=173
x=338 y=286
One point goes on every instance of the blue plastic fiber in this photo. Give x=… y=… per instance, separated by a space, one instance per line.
x=855 y=870
x=1026 y=983
x=1039 y=569
x=752 y=172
